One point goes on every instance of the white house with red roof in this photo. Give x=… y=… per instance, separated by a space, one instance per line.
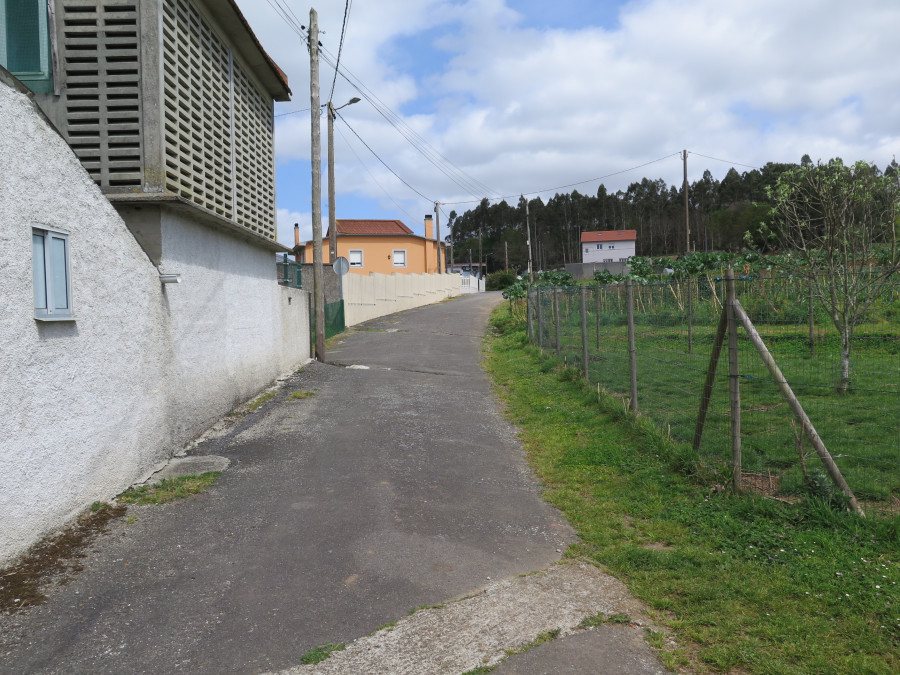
x=613 y=246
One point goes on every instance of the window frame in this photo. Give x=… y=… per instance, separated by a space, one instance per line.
x=362 y=259
x=394 y=257
x=49 y=272
x=39 y=81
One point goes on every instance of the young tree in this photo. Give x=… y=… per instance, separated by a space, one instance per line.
x=837 y=226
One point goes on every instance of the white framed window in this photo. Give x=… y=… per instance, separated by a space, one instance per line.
x=51 y=275
x=398 y=257
x=599 y=246
x=355 y=256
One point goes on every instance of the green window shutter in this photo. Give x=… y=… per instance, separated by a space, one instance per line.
x=25 y=42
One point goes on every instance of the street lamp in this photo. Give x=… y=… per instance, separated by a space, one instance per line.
x=332 y=222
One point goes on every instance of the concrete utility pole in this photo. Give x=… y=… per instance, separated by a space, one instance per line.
x=687 y=213
x=480 y=259
x=437 y=233
x=332 y=222
x=318 y=275
x=528 y=237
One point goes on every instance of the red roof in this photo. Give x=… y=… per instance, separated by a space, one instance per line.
x=611 y=235
x=382 y=227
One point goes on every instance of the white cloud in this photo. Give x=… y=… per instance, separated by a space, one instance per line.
x=521 y=109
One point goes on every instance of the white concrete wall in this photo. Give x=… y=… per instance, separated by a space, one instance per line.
x=88 y=407
x=368 y=297
x=227 y=322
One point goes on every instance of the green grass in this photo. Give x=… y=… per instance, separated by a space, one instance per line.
x=169 y=489
x=319 y=654
x=744 y=583
x=261 y=400
x=860 y=429
x=302 y=395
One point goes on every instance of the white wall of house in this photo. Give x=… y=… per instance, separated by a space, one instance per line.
x=607 y=251
x=93 y=405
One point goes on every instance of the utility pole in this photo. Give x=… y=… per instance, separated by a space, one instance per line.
x=528 y=238
x=480 y=260
x=687 y=214
x=318 y=276
x=332 y=222
x=506 y=255
x=437 y=233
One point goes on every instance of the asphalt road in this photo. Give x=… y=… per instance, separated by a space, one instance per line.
x=395 y=486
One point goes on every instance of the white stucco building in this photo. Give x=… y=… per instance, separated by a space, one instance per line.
x=614 y=246
x=143 y=155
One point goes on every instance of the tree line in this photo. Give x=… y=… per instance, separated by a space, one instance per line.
x=725 y=215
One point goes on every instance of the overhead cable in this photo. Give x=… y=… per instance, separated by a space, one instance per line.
x=382 y=161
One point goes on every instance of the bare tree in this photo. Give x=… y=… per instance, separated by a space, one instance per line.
x=837 y=226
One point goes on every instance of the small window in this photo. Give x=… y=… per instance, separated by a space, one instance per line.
x=586 y=250
x=25 y=42
x=398 y=258
x=52 y=279
x=355 y=257
x=611 y=246
x=623 y=259
x=607 y=260
x=599 y=246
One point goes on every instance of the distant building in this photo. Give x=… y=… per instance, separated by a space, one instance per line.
x=382 y=246
x=614 y=246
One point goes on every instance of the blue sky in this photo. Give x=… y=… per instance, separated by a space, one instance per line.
x=524 y=95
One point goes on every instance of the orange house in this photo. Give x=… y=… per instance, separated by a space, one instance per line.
x=382 y=246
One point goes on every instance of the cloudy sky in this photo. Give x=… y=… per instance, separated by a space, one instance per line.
x=523 y=96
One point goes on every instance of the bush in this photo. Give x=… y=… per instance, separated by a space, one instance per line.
x=499 y=280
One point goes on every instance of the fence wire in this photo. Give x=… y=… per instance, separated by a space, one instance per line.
x=675 y=325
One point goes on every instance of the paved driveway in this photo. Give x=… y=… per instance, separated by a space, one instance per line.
x=396 y=485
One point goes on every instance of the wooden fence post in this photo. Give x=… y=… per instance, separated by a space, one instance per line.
x=734 y=383
x=797 y=409
x=632 y=352
x=690 y=314
x=529 y=322
x=540 y=317
x=598 y=291
x=556 y=320
x=585 y=361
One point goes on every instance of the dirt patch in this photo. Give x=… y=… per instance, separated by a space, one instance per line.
x=56 y=558
x=760 y=483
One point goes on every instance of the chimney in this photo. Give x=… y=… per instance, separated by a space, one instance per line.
x=429 y=227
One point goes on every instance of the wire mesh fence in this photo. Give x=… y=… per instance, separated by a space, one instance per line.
x=675 y=326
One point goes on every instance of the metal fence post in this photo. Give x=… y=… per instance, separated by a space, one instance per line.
x=734 y=384
x=584 y=336
x=632 y=351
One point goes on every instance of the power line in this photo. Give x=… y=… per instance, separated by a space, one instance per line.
x=448 y=168
x=382 y=161
x=725 y=161
x=372 y=176
x=562 y=187
x=292 y=112
x=340 y=46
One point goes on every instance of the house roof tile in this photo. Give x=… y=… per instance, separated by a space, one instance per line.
x=610 y=235
x=381 y=227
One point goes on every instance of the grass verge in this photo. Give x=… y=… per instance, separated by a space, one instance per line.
x=319 y=654
x=169 y=489
x=745 y=583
